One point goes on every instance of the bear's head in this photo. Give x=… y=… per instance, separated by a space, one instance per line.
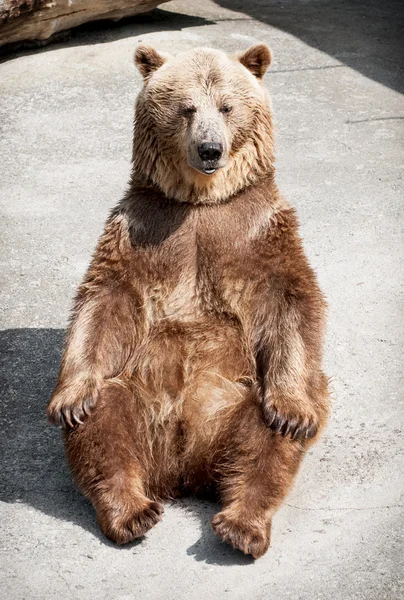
x=203 y=128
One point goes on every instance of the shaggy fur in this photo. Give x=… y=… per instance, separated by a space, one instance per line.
x=193 y=359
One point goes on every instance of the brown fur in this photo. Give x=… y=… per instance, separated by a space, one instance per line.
x=193 y=358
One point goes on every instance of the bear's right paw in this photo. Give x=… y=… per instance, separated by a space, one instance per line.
x=128 y=525
x=69 y=408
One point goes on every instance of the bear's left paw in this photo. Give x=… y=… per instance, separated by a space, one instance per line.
x=290 y=418
x=250 y=539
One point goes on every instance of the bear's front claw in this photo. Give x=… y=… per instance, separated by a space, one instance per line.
x=296 y=426
x=68 y=415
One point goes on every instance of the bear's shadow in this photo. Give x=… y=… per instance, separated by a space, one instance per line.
x=33 y=465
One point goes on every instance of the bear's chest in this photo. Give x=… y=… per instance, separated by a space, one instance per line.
x=199 y=275
x=201 y=262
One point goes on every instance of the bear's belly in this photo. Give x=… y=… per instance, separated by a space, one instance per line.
x=179 y=303
x=193 y=368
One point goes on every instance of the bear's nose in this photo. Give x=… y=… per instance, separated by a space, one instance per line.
x=210 y=151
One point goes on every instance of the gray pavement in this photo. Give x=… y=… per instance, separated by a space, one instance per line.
x=66 y=116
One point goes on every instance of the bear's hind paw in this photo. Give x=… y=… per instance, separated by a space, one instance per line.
x=125 y=528
x=253 y=540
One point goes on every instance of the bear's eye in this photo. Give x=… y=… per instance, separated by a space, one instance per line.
x=226 y=109
x=188 y=111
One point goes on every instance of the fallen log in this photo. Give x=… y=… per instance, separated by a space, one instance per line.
x=39 y=20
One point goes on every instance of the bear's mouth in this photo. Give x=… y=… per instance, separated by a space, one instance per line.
x=208 y=169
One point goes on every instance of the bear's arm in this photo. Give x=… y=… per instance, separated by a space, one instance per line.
x=289 y=325
x=102 y=331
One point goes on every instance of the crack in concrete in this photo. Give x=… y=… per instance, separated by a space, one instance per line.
x=306 y=69
x=346 y=507
x=59 y=574
x=375 y=119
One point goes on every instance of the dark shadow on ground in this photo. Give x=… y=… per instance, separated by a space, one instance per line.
x=33 y=466
x=101 y=32
x=366 y=35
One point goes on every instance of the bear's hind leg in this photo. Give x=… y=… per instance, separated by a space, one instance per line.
x=254 y=479
x=111 y=459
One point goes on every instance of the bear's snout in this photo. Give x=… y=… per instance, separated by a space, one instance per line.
x=209 y=140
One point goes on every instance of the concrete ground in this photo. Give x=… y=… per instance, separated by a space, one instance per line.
x=65 y=150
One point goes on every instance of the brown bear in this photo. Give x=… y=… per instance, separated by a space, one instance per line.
x=193 y=358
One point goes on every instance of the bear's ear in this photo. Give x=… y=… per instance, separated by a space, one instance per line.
x=256 y=59
x=148 y=60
